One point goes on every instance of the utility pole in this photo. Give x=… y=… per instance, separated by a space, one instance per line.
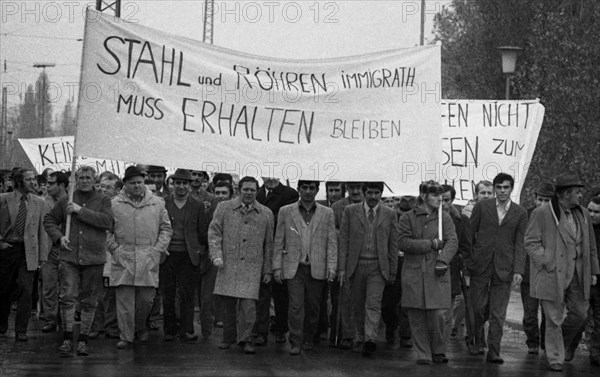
x=422 y=22
x=115 y=5
x=43 y=66
x=209 y=14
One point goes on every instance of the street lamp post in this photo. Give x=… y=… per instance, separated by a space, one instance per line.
x=509 y=64
x=43 y=66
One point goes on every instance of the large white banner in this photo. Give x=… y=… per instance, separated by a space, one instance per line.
x=483 y=138
x=158 y=98
x=57 y=153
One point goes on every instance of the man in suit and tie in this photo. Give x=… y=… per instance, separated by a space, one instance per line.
x=368 y=249
x=561 y=243
x=23 y=246
x=273 y=195
x=305 y=256
x=497 y=261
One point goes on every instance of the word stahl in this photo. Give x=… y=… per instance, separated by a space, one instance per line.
x=137 y=53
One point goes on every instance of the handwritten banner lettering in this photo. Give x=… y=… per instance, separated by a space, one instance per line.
x=163 y=99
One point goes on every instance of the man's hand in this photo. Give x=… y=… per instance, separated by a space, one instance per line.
x=278 y=276
x=64 y=243
x=330 y=276
x=437 y=244
x=4 y=245
x=594 y=279
x=218 y=262
x=73 y=208
x=341 y=277
x=267 y=278
x=440 y=268
x=517 y=279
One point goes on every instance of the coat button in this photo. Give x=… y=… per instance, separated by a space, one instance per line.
x=244 y=240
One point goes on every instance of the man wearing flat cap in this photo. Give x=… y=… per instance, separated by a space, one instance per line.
x=564 y=263
x=188 y=251
x=533 y=331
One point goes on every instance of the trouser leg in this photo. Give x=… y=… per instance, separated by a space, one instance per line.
x=499 y=297
x=420 y=333
x=89 y=292
x=50 y=287
x=246 y=319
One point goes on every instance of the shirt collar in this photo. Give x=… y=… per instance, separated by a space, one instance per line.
x=19 y=196
x=312 y=208
x=367 y=208
x=240 y=204
x=505 y=206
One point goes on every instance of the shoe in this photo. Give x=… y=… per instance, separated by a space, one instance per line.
x=569 y=354
x=346 y=344
x=92 y=335
x=424 y=362
x=249 y=348
x=111 y=336
x=66 y=349
x=143 y=336
x=261 y=340
x=406 y=343
x=82 y=348
x=219 y=324
x=169 y=337
x=307 y=346
x=21 y=337
x=556 y=367
x=534 y=350
x=280 y=337
x=49 y=327
x=295 y=350
x=189 y=338
x=476 y=350
x=225 y=346
x=123 y=344
x=494 y=359
x=357 y=347
x=368 y=348
x=440 y=358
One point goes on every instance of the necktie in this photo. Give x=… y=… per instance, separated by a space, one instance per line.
x=21 y=217
x=371 y=216
x=571 y=221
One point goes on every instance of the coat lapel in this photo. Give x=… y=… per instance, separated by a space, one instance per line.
x=316 y=218
x=12 y=207
x=509 y=215
x=297 y=217
x=361 y=214
x=492 y=212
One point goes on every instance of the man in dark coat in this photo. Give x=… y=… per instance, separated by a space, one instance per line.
x=463 y=234
x=531 y=306
x=273 y=195
x=497 y=261
x=82 y=255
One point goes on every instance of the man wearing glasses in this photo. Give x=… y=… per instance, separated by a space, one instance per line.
x=497 y=260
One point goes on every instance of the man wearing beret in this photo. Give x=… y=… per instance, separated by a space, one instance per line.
x=534 y=333
x=564 y=263
x=187 y=251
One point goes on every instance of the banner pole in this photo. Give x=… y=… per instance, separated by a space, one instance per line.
x=71 y=191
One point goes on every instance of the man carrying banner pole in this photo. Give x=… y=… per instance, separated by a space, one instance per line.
x=82 y=254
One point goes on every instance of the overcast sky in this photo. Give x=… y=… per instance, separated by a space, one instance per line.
x=47 y=32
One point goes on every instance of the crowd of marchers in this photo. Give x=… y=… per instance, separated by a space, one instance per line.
x=120 y=253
